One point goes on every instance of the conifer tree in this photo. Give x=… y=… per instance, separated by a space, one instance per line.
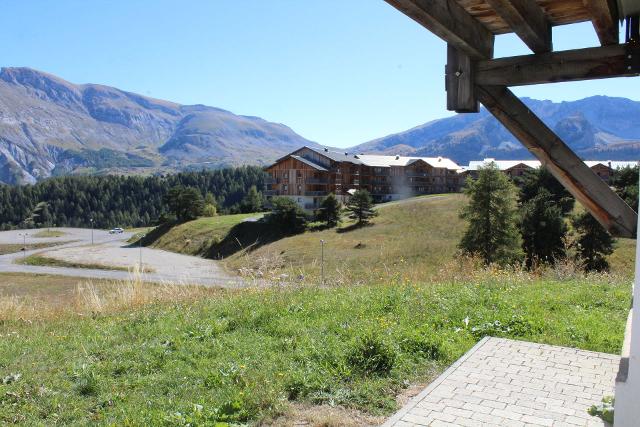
x=360 y=206
x=492 y=217
x=252 y=202
x=329 y=211
x=543 y=229
x=594 y=243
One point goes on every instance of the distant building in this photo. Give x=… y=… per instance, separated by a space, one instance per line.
x=308 y=175
x=513 y=168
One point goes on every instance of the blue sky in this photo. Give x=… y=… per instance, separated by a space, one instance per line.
x=338 y=72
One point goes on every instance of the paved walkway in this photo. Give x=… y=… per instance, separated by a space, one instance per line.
x=514 y=383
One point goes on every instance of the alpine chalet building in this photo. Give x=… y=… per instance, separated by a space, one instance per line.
x=308 y=175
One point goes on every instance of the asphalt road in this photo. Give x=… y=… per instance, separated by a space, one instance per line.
x=112 y=250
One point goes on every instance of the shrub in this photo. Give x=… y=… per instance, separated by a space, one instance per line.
x=421 y=345
x=370 y=355
x=209 y=210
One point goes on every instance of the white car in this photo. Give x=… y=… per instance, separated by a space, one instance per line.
x=116 y=230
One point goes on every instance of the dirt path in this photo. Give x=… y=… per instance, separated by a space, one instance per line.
x=112 y=250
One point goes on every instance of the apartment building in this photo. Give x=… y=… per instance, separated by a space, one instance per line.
x=514 y=168
x=307 y=175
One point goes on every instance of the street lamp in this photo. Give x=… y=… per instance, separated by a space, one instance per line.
x=24 y=244
x=91 y=221
x=140 y=246
x=322 y=260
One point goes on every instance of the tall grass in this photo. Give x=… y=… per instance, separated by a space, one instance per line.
x=105 y=297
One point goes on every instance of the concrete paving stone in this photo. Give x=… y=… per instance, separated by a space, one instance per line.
x=515 y=383
x=538 y=421
x=507 y=414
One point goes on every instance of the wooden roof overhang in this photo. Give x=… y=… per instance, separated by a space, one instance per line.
x=474 y=76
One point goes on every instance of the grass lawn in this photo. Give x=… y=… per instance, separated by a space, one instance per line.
x=398 y=308
x=47 y=289
x=41 y=260
x=49 y=233
x=9 y=248
x=195 y=237
x=245 y=356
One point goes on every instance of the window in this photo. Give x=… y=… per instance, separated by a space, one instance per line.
x=285 y=174
x=285 y=187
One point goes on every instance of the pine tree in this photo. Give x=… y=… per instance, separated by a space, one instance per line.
x=286 y=216
x=532 y=181
x=252 y=202
x=594 y=243
x=491 y=213
x=329 y=211
x=360 y=206
x=625 y=182
x=543 y=229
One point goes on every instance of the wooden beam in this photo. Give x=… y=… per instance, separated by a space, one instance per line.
x=451 y=22
x=571 y=65
x=527 y=20
x=605 y=20
x=594 y=194
x=459 y=81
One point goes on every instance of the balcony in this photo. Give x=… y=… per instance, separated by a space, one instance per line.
x=270 y=180
x=416 y=174
x=270 y=192
x=315 y=193
x=319 y=181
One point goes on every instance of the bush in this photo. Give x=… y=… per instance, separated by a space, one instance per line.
x=370 y=355
x=209 y=210
x=421 y=345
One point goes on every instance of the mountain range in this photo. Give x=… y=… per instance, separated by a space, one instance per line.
x=598 y=128
x=49 y=126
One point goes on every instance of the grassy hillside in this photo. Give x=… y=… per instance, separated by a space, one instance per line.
x=412 y=239
x=195 y=237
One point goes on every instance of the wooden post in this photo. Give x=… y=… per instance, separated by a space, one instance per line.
x=593 y=193
x=459 y=81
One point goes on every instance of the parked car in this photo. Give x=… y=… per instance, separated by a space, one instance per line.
x=116 y=230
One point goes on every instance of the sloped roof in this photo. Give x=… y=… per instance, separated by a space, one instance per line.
x=382 y=161
x=502 y=164
x=309 y=162
x=535 y=164
x=613 y=164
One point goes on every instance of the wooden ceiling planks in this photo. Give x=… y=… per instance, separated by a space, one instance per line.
x=558 y=12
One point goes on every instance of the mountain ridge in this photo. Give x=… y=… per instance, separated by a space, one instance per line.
x=594 y=127
x=49 y=126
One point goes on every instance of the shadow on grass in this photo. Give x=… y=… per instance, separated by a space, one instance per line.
x=153 y=235
x=245 y=236
x=352 y=227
